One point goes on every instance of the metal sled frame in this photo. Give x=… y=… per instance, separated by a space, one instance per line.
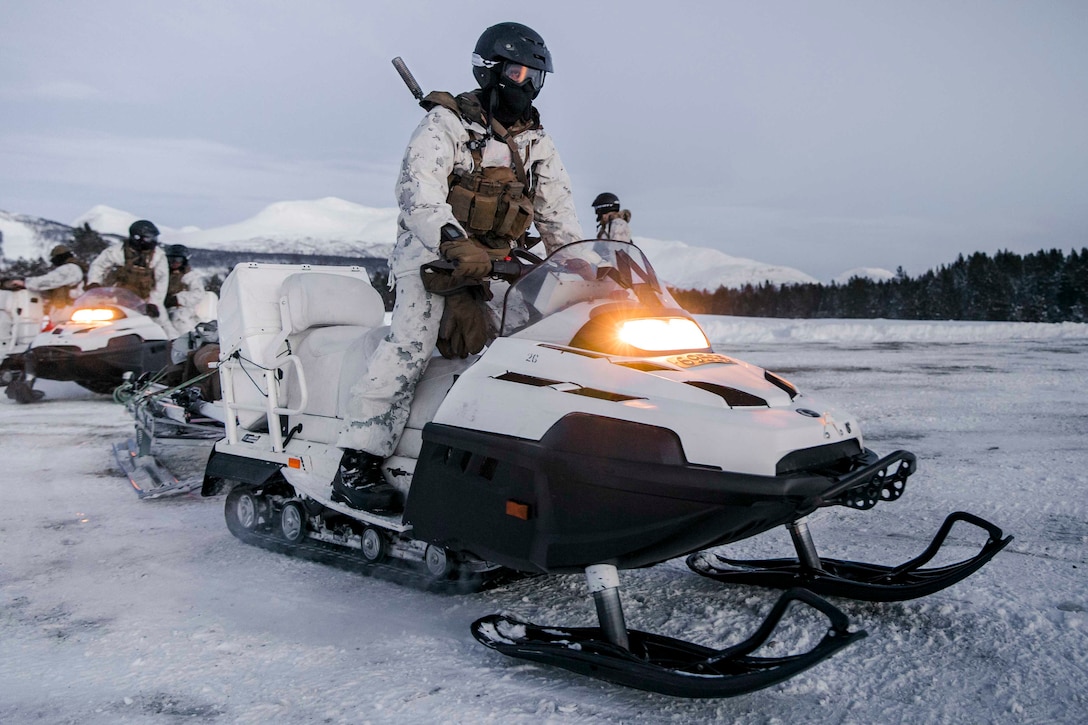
x=850 y=579
x=158 y=418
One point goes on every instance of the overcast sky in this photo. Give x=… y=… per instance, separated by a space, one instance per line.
x=820 y=135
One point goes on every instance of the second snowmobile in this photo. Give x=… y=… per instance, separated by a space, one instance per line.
x=599 y=432
x=107 y=334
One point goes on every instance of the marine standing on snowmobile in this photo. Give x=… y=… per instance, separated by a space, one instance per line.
x=478 y=171
x=138 y=265
x=59 y=286
x=184 y=290
x=612 y=222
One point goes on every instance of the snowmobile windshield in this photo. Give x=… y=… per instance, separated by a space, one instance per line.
x=584 y=274
x=110 y=297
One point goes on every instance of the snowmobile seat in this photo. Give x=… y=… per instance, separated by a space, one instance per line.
x=262 y=318
x=332 y=325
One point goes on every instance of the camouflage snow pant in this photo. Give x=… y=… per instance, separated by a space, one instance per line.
x=379 y=403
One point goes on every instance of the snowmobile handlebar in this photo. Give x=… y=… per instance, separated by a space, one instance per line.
x=507 y=269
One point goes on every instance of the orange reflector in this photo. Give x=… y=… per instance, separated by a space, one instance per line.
x=517 y=510
x=294 y=463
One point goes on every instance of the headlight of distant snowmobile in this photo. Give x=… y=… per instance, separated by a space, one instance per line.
x=96 y=315
x=662 y=334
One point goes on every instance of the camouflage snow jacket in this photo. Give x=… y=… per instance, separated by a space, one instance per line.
x=439 y=148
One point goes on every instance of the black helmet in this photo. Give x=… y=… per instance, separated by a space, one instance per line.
x=606 y=202
x=143 y=234
x=176 y=251
x=59 y=255
x=510 y=42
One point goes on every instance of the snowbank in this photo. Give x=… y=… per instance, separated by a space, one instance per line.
x=724 y=329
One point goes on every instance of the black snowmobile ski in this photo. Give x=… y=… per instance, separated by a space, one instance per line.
x=665 y=665
x=851 y=579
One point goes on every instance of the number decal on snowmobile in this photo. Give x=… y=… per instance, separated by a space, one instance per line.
x=695 y=359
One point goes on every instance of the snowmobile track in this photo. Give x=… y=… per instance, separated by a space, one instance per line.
x=347 y=560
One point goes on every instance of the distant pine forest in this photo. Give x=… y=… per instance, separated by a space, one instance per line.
x=1045 y=286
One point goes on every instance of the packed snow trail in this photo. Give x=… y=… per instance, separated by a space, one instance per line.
x=117 y=610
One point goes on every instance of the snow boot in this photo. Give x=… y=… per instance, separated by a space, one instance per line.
x=361 y=485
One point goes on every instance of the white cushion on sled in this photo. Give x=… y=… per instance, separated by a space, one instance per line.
x=333 y=358
x=319 y=300
x=321 y=352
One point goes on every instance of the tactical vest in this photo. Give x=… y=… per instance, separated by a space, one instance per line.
x=176 y=284
x=60 y=297
x=137 y=274
x=494 y=204
x=56 y=298
x=604 y=222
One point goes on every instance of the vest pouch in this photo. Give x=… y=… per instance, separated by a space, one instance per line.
x=484 y=207
x=515 y=213
x=133 y=276
x=482 y=218
x=460 y=201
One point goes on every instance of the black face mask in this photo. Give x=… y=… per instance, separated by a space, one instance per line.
x=513 y=101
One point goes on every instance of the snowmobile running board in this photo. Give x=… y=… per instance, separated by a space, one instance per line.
x=850 y=579
x=148 y=477
x=665 y=665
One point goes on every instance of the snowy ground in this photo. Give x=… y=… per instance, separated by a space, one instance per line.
x=116 y=610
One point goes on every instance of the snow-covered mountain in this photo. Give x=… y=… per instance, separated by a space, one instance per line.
x=876 y=274
x=28 y=237
x=323 y=226
x=338 y=227
x=689 y=267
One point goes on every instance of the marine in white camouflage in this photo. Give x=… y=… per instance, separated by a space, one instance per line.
x=438 y=151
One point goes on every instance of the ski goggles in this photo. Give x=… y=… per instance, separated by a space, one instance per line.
x=145 y=240
x=516 y=72
x=522 y=74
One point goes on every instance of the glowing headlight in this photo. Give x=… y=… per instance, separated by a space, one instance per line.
x=91 y=315
x=663 y=333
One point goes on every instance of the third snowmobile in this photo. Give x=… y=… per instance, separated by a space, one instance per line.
x=598 y=432
x=21 y=315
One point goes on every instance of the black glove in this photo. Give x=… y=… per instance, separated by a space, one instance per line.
x=472 y=259
x=170 y=301
x=152 y=310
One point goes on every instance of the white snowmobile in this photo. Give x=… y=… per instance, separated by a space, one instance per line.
x=107 y=334
x=21 y=316
x=598 y=432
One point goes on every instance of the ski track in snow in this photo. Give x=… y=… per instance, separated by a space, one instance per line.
x=116 y=610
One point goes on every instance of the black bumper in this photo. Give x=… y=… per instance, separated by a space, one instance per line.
x=593 y=490
x=129 y=353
